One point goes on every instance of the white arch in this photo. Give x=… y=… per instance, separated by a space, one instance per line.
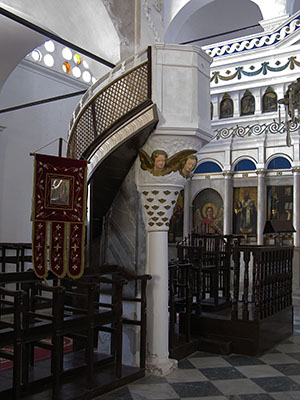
x=279 y=155
x=180 y=18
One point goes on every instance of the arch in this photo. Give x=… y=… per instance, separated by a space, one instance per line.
x=245 y=165
x=208 y=210
x=194 y=20
x=226 y=107
x=208 y=167
x=247 y=103
x=269 y=100
x=279 y=162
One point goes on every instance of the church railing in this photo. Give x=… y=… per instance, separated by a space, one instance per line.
x=110 y=102
x=262 y=281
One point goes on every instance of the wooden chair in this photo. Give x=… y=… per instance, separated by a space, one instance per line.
x=139 y=297
x=77 y=312
x=43 y=319
x=135 y=295
x=180 y=298
x=11 y=304
x=85 y=308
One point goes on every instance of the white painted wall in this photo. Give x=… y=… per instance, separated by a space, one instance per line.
x=26 y=131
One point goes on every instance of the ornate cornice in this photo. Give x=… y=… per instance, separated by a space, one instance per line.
x=255 y=42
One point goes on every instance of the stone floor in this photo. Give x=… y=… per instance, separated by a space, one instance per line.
x=207 y=376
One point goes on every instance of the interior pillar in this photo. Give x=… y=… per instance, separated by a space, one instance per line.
x=228 y=203
x=261 y=206
x=158 y=362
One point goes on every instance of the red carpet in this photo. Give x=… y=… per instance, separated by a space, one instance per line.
x=39 y=353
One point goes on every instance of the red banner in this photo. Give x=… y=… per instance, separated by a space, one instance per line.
x=59 y=214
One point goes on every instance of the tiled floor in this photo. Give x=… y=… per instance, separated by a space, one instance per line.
x=207 y=376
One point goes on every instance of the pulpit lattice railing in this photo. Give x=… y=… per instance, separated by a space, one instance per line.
x=106 y=108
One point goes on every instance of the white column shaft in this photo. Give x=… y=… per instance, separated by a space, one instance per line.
x=228 y=205
x=187 y=225
x=261 y=208
x=158 y=361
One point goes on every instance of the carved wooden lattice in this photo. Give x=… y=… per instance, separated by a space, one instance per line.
x=112 y=103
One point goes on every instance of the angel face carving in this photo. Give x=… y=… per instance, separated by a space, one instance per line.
x=159 y=158
x=189 y=164
x=159 y=164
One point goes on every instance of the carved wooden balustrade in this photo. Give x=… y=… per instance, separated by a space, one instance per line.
x=241 y=294
x=262 y=281
x=210 y=254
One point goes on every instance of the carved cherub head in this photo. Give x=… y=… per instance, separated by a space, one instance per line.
x=159 y=158
x=159 y=164
x=188 y=166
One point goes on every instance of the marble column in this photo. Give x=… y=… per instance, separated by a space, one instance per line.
x=261 y=205
x=158 y=202
x=158 y=362
x=187 y=215
x=228 y=202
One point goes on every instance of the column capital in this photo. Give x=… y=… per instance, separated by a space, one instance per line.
x=296 y=169
x=261 y=172
x=227 y=174
x=158 y=204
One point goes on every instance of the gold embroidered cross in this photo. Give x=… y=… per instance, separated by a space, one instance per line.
x=57 y=247
x=75 y=247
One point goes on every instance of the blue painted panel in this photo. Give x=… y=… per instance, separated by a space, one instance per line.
x=279 y=163
x=207 y=167
x=245 y=165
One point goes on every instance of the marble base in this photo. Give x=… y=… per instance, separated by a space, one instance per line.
x=162 y=368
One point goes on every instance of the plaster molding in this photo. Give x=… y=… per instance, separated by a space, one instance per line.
x=227 y=174
x=117 y=22
x=273 y=23
x=158 y=6
x=119 y=136
x=261 y=172
x=172 y=144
